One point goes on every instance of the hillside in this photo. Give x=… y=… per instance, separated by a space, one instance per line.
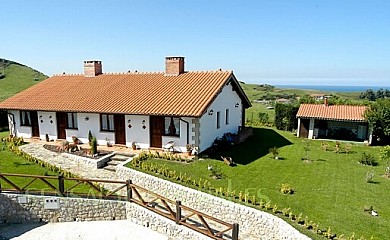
x=15 y=77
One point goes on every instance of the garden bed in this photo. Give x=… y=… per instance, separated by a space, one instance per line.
x=82 y=152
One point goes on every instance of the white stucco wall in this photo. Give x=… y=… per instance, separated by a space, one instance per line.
x=93 y=125
x=47 y=123
x=137 y=133
x=21 y=131
x=181 y=141
x=227 y=99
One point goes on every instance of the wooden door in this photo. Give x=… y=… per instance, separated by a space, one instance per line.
x=120 y=132
x=34 y=123
x=61 y=125
x=156 y=131
x=304 y=129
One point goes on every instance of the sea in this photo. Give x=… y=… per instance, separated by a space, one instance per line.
x=334 y=88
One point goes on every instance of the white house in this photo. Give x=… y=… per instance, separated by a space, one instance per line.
x=149 y=108
x=343 y=122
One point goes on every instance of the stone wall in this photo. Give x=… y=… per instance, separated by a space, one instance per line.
x=14 y=210
x=92 y=163
x=253 y=223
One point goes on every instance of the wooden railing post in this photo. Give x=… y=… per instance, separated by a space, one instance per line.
x=129 y=191
x=178 y=212
x=61 y=185
x=235 y=231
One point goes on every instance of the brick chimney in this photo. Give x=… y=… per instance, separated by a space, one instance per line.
x=92 y=68
x=174 y=66
x=326 y=101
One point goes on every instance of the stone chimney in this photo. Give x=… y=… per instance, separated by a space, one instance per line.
x=92 y=68
x=174 y=66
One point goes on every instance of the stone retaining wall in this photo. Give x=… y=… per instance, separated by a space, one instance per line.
x=71 y=209
x=253 y=223
x=78 y=209
x=92 y=163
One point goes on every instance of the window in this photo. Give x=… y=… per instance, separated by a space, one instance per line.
x=218 y=120
x=227 y=116
x=172 y=126
x=25 y=119
x=72 y=120
x=107 y=122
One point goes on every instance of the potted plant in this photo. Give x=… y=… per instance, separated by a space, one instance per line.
x=189 y=148
x=109 y=143
x=90 y=136
x=275 y=152
x=134 y=145
x=75 y=140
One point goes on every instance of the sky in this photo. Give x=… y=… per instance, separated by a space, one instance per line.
x=324 y=42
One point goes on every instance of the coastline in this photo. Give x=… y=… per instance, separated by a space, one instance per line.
x=333 y=88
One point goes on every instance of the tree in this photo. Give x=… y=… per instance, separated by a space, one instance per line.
x=285 y=116
x=387 y=93
x=263 y=117
x=307 y=99
x=378 y=114
x=379 y=94
x=368 y=94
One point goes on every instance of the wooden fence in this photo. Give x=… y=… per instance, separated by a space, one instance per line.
x=124 y=191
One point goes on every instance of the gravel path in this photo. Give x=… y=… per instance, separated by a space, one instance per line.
x=95 y=230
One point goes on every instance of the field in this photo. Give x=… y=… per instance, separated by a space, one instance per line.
x=17 y=78
x=331 y=189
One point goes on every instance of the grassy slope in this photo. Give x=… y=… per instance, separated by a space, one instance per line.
x=331 y=190
x=18 y=78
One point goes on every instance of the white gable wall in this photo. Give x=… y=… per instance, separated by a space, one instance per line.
x=227 y=99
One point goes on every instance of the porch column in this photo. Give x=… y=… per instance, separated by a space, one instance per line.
x=311 y=128
x=299 y=127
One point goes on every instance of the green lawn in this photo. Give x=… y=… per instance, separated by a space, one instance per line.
x=331 y=190
x=11 y=163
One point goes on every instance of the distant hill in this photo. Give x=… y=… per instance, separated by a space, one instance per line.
x=15 y=77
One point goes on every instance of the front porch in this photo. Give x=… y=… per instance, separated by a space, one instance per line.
x=311 y=128
x=118 y=149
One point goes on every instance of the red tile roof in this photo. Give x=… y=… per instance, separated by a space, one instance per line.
x=188 y=94
x=332 y=112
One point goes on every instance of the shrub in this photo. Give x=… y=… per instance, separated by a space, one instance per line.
x=274 y=151
x=216 y=172
x=285 y=116
x=94 y=146
x=370 y=176
x=368 y=159
x=286 y=188
x=90 y=136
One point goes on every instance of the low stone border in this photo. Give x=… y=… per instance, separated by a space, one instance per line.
x=93 y=163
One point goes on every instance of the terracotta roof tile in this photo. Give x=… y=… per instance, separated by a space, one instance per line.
x=332 y=112
x=187 y=94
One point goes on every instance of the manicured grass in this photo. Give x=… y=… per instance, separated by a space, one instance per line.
x=331 y=190
x=11 y=163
